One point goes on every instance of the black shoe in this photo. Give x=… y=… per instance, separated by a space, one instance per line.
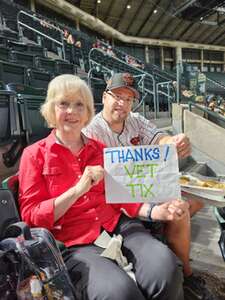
x=220 y=216
x=221 y=211
x=195 y=289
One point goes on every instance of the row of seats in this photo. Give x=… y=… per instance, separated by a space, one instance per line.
x=15 y=73
x=55 y=67
x=12 y=44
x=20 y=120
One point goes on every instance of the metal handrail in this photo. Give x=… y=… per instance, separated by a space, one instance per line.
x=20 y=23
x=206 y=110
x=167 y=94
x=216 y=82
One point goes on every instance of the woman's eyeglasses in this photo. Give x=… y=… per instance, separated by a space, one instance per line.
x=118 y=98
x=66 y=105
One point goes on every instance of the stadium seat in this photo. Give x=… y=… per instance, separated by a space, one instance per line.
x=45 y=64
x=9 y=117
x=38 y=79
x=17 y=46
x=3 y=40
x=9 y=34
x=11 y=23
x=30 y=100
x=63 y=67
x=98 y=86
x=2 y=86
x=10 y=72
x=4 y=53
x=12 y=183
x=21 y=58
x=10 y=132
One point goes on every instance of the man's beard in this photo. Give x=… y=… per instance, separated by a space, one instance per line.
x=119 y=117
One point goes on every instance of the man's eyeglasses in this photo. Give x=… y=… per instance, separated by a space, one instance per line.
x=118 y=98
x=65 y=105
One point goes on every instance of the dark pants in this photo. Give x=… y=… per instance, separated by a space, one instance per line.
x=155 y=266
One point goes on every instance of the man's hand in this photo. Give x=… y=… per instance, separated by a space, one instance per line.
x=183 y=145
x=181 y=141
x=169 y=211
x=92 y=175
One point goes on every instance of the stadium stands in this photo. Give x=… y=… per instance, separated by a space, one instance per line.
x=28 y=64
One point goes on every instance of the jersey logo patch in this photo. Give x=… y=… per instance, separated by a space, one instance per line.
x=135 y=140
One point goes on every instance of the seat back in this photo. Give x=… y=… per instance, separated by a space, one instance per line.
x=36 y=50
x=45 y=64
x=9 y=212
x=18 y=46
x=10 y=72
x=63 y=67
x=4 y=53
x=9 y=118
x=23 y=58
x=39 y=79
x=30 y=100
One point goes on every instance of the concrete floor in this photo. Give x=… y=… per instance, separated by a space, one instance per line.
x=205 y=251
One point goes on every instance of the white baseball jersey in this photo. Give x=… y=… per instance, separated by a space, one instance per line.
x=137 y=131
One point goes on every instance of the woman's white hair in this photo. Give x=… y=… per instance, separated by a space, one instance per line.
x=63 y=85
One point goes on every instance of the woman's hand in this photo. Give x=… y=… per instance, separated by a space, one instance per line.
x=92 y=175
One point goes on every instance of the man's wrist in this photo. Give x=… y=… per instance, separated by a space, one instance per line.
x=149 y=212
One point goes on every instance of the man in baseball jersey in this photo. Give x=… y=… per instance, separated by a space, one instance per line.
x=117 y=125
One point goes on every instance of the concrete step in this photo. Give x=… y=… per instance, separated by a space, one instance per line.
x=162 y=123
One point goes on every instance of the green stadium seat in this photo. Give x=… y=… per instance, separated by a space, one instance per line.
x=9 y=118
x=10 y=72
x=4 y=53
x=21 y=58
x=11 y=23
x=2 y=86
x=3 y=40
x=10 y=131
x=36 y=50
x=9 y=34
x=30 y=100
x=63 y=67
x=45 y=64
x=17 y=46
x=38 y=79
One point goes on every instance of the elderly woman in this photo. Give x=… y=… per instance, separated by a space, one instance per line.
x=61 y=188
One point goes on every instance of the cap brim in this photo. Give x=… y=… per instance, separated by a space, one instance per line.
x=136 y=93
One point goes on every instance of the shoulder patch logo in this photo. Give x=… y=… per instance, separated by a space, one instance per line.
x=135 y=141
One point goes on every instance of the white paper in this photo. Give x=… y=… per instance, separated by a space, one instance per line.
x=141 y=174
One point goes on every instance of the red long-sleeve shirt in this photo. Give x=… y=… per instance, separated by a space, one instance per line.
x=47 y=169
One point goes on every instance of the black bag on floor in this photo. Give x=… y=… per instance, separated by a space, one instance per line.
x=41 y=273
x=221 y=243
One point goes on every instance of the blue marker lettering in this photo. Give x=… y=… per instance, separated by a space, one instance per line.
x=147 y=153
x=138 y=154
x=156 y=153
x=129 y=155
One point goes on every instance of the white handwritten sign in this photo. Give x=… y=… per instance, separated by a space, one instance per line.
x=141 y=174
